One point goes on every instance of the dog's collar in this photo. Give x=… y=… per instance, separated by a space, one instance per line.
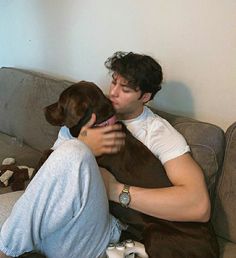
x=110 y=121
x=75 y=130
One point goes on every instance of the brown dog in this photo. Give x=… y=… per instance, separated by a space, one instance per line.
x=134 y=165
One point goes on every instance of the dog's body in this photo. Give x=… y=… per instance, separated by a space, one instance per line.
x=134 y=165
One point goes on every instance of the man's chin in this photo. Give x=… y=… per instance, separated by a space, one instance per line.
x=120 y=114
x=115 y=106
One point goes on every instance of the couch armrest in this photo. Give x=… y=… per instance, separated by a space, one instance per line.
x=225 y=205
x=207 y=144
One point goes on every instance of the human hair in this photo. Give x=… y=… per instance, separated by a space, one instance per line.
x=141 y=71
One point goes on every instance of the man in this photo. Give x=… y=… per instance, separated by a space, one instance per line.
x=135 y=80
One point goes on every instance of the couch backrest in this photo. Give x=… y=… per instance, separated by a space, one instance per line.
x=224 y=216
x=207 y=143
x=21 y=115
x=23 y=95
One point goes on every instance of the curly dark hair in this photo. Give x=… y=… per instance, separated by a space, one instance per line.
x=141 y=71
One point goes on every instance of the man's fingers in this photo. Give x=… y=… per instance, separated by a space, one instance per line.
x=114 y=136
x=91 y=122
x=111 y=149
x=110 y=128
x=113 y=145
x=114 y=141
x=113 y=132
x=101 y=140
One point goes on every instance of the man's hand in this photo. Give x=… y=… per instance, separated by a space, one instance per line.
x=102 y=140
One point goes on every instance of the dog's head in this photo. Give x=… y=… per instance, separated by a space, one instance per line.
x=76 y=105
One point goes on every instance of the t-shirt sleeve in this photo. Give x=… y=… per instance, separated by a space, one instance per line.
x=167 y=143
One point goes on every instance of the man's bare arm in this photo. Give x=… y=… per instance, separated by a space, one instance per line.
x=186 y=200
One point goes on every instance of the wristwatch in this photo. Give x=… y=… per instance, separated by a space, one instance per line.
x=125 y=197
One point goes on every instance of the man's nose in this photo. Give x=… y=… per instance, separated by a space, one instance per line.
x=114 y=91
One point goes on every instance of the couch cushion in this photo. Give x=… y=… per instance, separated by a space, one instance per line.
x=207 y=143
x=23 y=154
x=227 y=249
x=225 y=209
x=7 y=201
x=21 y=106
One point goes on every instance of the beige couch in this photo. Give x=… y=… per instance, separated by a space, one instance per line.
x=24 y=133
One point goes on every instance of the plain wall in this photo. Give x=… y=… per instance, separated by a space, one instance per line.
x=194 y=41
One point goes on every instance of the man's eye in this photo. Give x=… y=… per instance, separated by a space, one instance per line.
x=126 y=89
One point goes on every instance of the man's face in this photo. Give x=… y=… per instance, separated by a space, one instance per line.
x=125 y=100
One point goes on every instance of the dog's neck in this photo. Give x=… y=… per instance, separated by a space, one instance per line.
x=110 y=121
x=75 y=130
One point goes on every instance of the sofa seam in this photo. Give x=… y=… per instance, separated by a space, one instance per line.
x=212 y=151
x=229 y=138
x=198 y=122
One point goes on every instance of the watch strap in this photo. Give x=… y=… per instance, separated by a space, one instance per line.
x=126 y=189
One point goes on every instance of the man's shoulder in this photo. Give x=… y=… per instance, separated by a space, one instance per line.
x=156 y=122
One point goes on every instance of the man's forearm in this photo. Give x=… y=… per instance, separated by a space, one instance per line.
x=172 y=203
x=176 y=203
x=186 y=200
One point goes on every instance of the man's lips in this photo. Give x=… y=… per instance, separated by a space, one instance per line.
x=114 y=103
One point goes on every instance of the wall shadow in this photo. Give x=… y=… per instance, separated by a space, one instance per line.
x=176 y=98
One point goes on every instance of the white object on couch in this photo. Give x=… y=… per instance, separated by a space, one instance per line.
x=8 y=161
x=126 y=249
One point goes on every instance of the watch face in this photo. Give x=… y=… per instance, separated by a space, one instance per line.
x=124 y=199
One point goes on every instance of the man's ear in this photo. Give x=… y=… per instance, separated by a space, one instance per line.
x=146 y=97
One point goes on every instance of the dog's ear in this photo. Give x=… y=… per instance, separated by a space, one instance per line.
x=54 y=114
x=75 y=112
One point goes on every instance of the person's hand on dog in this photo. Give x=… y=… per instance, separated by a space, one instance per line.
x=102 y=140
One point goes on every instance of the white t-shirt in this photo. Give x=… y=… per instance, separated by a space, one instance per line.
x=156 y=133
